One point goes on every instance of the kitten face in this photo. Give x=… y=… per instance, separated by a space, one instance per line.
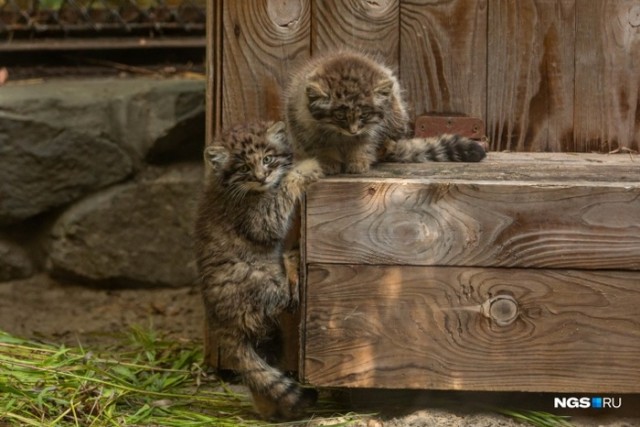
x=251 y=159
x=349 y=105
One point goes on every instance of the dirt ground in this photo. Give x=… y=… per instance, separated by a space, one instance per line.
x=44 y=309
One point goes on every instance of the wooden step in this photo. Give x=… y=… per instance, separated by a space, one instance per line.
x=521 y=272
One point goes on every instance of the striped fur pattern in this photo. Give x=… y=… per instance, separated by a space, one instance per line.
x=251 y=189
x=344 y=107
x=442 y=148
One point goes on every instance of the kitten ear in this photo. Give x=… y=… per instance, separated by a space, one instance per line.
x=216 y=155
x=315 y=91
x=277 y=133
x=383 y=88
x=277 y=127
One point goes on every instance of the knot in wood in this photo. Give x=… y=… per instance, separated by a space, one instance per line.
x=501 y=309
x=377 y=8
x=284 y=13
x=634 y=16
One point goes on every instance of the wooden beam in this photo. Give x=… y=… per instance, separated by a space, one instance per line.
x=566 y=212
x=213 y=119
x=472 y=329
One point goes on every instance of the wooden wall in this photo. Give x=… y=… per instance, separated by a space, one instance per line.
x=545 y=75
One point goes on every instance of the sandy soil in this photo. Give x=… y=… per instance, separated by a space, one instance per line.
x=64 y=313
x=43 y=308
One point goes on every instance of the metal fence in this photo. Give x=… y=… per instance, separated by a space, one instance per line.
x=54 y=18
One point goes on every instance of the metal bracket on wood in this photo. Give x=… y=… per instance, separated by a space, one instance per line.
x=470 y=127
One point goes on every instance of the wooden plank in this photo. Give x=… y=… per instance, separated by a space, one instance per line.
x=369 y=26
x=457 y=329
x=213 y=95
x=213 y=99
x=303 y=286
x=536 y=168
x=443 y=55
x=607 y=95
x=498 y=214
x=530 y=75
x=262 y=41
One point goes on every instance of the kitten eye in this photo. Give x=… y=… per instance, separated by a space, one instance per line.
x=365 y=116
x=266 y=160
x=243 y=169
x=339 y=114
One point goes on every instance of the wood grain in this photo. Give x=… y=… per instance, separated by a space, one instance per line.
x=428 y=328
x=607 y=96
x=545 y=75
x=213 y=95
x=213 y=98
x=530 y=73
x=535 y=168
x=443 y=55
x=262 y=41
x=369 y=26
x=485 y=219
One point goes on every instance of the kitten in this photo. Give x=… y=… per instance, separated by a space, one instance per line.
x=346 y=108
x=251 y=190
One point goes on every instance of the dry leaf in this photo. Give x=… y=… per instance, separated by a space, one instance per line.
x=4 y=75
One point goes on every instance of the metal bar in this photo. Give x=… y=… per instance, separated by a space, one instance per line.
x=103 y=43
x=97 y=27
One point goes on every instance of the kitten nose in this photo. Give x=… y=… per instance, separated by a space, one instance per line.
x=260 y=176
x=353 y=128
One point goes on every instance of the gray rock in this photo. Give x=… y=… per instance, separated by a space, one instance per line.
x=133 y=113
x=43 y=166
x=14 y=262
x=60 y=140
x=137 y=233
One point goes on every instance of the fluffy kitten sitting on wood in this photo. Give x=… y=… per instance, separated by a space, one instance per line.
x=251 y=189
x=346 y=110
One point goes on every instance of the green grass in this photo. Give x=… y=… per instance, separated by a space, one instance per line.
x=147 y=381
x=537 y=418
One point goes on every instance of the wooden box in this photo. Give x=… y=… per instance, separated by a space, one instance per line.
x=518 y=273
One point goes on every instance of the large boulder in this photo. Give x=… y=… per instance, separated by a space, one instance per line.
x=60 y=140
x=44 y=166
x=133 y=113
x=139 y=233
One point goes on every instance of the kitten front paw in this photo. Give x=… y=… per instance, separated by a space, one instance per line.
x=358 y=166
x=309 y=169
x=331 y=168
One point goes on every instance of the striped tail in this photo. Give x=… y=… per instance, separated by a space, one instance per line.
x=442 y=148
x=276 y=396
